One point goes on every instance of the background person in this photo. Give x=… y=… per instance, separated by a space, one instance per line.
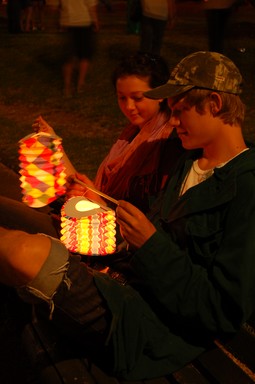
x=26 y=18
x=107 y=4
x=38 y=14
x=13 y=10
x=79 y=19
x=217 y=14
x=156 y=16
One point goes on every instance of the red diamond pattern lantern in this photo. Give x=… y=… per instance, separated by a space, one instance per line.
x=42 y=170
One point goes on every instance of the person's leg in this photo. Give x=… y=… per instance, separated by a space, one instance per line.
x=17 y=215
x=10 y=185
x=28 y=18
x=80 y=314
x=35 y=14
x=23 y=19
x=68 y=69
x=223 y=16
x=14 y=15
x=146 y=35
x=212 y=29
x=41 y=10
x=159 y=27
x=216 y=23
x=85 y=47
x=70 y=60
x=83 y=69
x=43 y=272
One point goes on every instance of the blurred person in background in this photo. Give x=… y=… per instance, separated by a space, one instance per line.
x=13 y=9
x=38 y=14
x=80 y=21
x=107 y=4
x=156 y=16
x=217 y=14
x=26 y=15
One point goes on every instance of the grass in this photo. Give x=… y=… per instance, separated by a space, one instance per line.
x=31 y=81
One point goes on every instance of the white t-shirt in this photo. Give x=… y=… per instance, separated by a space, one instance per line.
x=75 y=13
x=156 y=9
x=196 y=175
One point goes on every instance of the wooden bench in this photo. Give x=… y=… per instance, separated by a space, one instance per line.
x=227 y=363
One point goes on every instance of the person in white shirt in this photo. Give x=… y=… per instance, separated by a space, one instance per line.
x=79 y=18
x=217 y=14
x=156 y=14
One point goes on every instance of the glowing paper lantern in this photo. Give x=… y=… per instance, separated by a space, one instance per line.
x=42 y=170
x=88 y=228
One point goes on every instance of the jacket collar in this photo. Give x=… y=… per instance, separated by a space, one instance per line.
x=217 y=190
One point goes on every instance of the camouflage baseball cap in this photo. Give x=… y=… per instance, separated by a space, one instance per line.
x=206 y=70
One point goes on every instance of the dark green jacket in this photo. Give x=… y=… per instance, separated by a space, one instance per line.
x=197 y=273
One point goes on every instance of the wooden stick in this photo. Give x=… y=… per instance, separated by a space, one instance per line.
x=97 y=191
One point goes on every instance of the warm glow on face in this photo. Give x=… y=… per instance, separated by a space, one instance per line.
x=134 y=105
x=86 y=205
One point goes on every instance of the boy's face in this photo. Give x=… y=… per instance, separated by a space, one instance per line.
x=195 y=130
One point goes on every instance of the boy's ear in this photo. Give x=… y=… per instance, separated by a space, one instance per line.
x=215 y=103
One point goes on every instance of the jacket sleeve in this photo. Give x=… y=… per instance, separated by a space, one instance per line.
x=217 y=297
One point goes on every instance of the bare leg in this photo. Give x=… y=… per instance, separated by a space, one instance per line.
x=38 y=15
x=68 y=69
x=21 y=256
x=41 y=17
x=83 y=69
x=38 y=266
x=29 y=16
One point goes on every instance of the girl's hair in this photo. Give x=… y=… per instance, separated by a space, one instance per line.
x=143 y=65
x=232 y=111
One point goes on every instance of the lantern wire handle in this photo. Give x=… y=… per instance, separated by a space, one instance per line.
x=97 y=191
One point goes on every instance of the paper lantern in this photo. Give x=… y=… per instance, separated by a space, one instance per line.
x=88 y=228
x=42 y=170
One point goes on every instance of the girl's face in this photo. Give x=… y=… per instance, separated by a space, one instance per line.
x=137 y=108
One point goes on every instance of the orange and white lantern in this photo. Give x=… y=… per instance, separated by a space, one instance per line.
x=42 y=169
x=88 y=228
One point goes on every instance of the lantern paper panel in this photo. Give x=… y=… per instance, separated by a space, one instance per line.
x=42 y=169
x=88 y=228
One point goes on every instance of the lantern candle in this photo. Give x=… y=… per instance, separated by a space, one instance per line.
x=42 y=170
x=88 y=228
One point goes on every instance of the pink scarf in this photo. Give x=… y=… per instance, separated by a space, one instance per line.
x=135 y=153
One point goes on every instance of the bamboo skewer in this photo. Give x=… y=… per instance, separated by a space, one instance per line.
x=97 y=191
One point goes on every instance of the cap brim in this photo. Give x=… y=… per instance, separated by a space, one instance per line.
x=167 y=90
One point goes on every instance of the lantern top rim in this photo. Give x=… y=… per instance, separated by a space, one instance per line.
x=39 y=134
x=70 y=208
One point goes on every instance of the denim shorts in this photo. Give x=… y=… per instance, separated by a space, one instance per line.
x=67 y=300
x=66 y=285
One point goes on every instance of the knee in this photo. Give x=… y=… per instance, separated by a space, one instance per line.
x=21 y=256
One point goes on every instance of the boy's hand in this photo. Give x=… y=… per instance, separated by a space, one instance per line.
x=135 y=228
